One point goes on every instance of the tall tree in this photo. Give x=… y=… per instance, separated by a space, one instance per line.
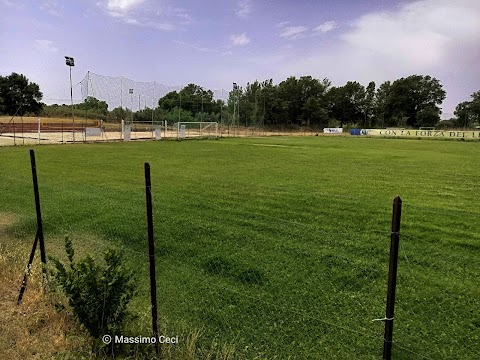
x=475 y=107
x=369 y=104
x=346 y=103
x=382 y=109
x=414 y=94
x=93 y=104
x=18 y=95
x=196 y=99
x=468 y=112
x=169 y=101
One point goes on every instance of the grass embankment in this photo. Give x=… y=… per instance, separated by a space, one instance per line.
x=278 y=246
x=35 y=329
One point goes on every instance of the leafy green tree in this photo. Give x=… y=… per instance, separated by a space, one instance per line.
x=369 y=105
x=428 y=116
x=176 y=115
x=195 y=99
x=119 y=113
x=94 y=105
x=346 y=103
x=411 y=95
x=144 y=115
x=381 y=110
x=295 y=101
x=463 y=113
x=475 y=106
x=250 y=101
x=233 y=103
x=18 y=95
x=313 y=113
x=169 y=101
x=468 y=112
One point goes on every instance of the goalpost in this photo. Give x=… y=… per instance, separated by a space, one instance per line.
x=143 y=130
x=197 y=129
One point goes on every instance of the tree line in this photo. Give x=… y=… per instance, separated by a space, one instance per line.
x=412 y=101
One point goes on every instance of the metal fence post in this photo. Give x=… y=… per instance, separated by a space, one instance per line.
x=151 y=254
x=14 y=135
x=43 y=257
x=392 y=278
x=27 y=271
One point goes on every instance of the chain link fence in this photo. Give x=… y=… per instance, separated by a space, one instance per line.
x=302 y=280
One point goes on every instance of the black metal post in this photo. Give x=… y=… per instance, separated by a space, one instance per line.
x=27 y=271
x=71 y=98
x=23 y=135
x=151 y=253
x=392 y=278
x=43 y=257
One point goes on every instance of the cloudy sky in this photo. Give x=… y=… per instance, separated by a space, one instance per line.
x=216 y=42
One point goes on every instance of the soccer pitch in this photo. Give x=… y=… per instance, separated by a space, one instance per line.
x=274 y=246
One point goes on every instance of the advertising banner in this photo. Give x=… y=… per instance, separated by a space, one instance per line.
x=445 y=134
x=332 y=130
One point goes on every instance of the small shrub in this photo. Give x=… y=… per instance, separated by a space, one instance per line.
x=98 y=294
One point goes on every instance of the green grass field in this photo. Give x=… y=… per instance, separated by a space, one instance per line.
x=277 y=247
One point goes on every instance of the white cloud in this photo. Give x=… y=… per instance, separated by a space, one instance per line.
x=293 y=32
x=419 y=35
x=52 y=7
x=282 y=24
x=119 y=6
x=439 y=38
x=145 y=14
x=11 y=4
x=164 y=26
x=239 y=40
x=244 y=8
x=45 y=45
x=325 y=27
x=182 y=15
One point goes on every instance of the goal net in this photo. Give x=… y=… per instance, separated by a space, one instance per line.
x=143 y=130
x=191 y=130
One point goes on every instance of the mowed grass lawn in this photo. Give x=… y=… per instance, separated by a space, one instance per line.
x=277 y=247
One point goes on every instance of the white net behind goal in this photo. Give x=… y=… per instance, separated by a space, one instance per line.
x=190 y=130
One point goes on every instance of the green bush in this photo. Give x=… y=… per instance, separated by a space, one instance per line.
x=98 y=294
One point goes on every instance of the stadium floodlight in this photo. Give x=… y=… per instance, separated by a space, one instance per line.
x=70 y=62
x=234 y=102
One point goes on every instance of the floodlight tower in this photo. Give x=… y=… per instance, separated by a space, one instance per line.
x=70 y=62
x=235 y=86
x=221 y=108
x=180 y=106
x=130 y=91
x=236 y=100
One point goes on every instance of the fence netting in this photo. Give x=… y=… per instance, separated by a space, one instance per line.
x=20 y=130
x=307 y=279
x=438 y=297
